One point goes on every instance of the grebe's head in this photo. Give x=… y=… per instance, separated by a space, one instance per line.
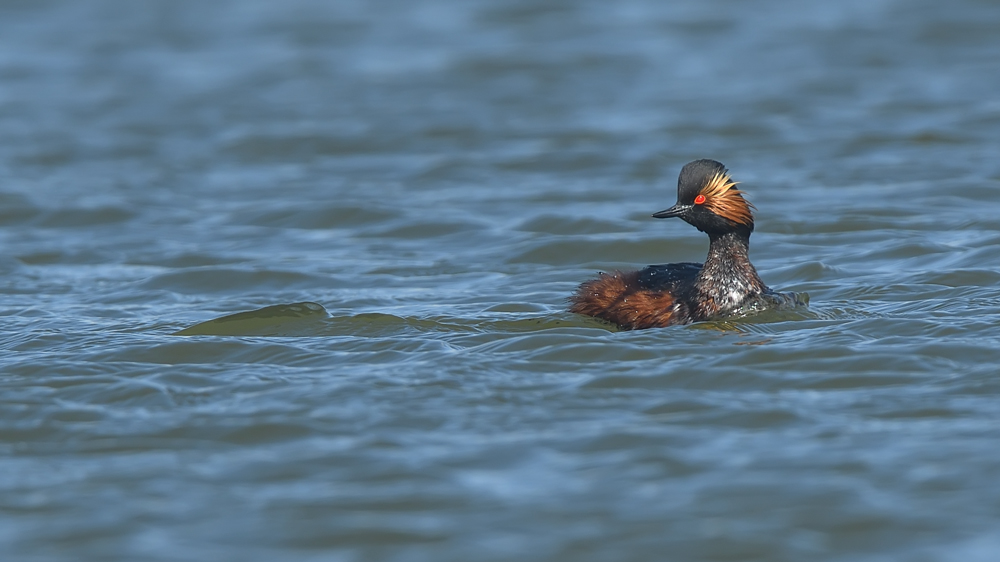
x=708 y=199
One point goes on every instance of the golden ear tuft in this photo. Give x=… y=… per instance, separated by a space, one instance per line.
x=723 y=199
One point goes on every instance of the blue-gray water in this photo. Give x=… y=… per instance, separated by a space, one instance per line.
x=440 y=175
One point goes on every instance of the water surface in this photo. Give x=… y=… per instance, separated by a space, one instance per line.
x=438 y=177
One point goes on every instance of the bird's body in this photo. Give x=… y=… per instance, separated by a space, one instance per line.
x=727 y=283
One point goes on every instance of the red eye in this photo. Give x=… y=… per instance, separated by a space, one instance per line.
x=699 y=199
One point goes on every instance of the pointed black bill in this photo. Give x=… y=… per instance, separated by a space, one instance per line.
x=675 y=211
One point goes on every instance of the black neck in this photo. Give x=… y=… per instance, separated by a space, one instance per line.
x=729 y=243
x=728 y=277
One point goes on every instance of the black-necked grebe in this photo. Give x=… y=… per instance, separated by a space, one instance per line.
x=680 y=293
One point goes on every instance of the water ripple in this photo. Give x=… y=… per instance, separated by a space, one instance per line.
x=288 y=281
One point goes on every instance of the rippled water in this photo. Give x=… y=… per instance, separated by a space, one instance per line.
x=438 y=177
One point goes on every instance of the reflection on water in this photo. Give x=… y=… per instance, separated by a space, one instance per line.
x=427 y=183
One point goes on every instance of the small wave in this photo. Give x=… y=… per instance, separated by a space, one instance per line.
x=277 y=320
